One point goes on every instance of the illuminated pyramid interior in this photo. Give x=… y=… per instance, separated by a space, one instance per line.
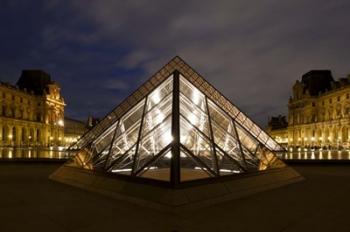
x=178 y=133
x=175 y=130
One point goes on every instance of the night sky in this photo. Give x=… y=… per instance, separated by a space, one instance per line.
x=101 y=51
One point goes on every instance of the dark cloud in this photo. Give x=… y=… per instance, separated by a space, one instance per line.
x=252 y=51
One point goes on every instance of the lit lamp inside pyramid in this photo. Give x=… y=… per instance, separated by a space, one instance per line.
x=175 y=131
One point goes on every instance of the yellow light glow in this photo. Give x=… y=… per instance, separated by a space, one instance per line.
x=168 y=155
x=60 y=122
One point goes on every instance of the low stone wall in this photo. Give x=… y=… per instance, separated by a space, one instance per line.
x=173 y=200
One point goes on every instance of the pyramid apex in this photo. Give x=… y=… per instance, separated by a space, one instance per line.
x=177 y=59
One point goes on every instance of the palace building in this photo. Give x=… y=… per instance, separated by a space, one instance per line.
x=32 y=111
x=318 y=113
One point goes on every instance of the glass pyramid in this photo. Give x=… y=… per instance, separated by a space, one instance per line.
x=176 y=129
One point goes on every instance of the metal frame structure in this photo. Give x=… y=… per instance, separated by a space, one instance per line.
x=166 y=158
x=198 y=81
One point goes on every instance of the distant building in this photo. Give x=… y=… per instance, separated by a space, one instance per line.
x=318 y=112
x=32 y=111
x=91 y=122
x=73 y=130
x=277 y=128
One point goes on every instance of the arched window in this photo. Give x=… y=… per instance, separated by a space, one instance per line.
x=4 y=135
x=38 y=135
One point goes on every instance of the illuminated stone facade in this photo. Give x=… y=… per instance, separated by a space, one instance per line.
x=318 y=112
x=73 y=130
x=32 y=111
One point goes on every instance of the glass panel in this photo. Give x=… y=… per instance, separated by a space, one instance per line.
x=248 y=124
x=224 y=139
x=268 y=159
x=160 y=168
x=219 y=117
x=263 y=137
x=251 y=160
x=157 y=109
x=272 y=145
x=127 y=132
x=124 y=142
x=224 y=133
x=153 y=142
x=190 y=169
x=81 y=160
x=196 y=143
x=246 y=139
x=100 y=147
x=101 y=143
x=227 y=143
x=194 y=115
x=192 y=93
x=226 y=165
x=157 y=114
x=124 y=164
x=99 y=161
x=160 y=93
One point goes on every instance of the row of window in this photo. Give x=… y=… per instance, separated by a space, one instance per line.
x=330 y=115
x=19 y=114
x=330 y=100
x=14 y=98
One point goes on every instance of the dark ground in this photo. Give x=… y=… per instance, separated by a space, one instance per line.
x=31 y=202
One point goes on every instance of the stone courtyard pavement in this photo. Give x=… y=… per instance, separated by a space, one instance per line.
x=31 y=202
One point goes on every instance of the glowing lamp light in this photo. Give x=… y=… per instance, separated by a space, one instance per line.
x=60 y=122
x=167 y=138
x=196 y=97
x=193 y=119
x=168 y=155
x=156 y=97
x=122 y=170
